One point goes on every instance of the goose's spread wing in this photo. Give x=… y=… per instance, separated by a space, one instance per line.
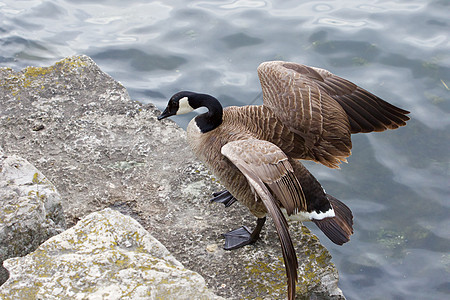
x=268 y=171
x=366 y=112
x=317 y=119
x=324 y=109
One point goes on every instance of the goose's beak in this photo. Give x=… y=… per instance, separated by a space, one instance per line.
x=166 y=113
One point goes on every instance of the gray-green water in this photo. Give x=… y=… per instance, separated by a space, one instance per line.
x=397 y=183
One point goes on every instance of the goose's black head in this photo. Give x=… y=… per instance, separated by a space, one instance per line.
x=185 y=102
x=180 y=103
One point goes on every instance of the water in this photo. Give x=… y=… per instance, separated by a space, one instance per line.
x=397 y=183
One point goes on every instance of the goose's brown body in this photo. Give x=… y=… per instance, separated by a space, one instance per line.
x=307 y=113
x=248 y=123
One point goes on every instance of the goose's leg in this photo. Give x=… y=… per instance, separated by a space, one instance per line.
x=243 y=236
x=224 y=197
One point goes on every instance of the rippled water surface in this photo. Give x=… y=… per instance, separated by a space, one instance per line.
x=397 y=182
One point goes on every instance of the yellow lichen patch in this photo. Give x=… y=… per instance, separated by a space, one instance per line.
x=37 y=180
x=71 y=62
x=260 y=270
x=24 y=293
x=32 y=77
x=9 y=209
x=37 y=71
x=309 y=277
x=119 y=260
x=140 y=249
x=277 y=285
x=270 y=278
x=36 y=195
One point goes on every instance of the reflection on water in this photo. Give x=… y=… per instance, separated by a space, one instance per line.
x=397 y=183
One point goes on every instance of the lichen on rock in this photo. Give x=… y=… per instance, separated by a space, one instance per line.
x=30 y=208
x=108 y=249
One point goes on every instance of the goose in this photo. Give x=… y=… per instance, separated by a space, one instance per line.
x=307 y=113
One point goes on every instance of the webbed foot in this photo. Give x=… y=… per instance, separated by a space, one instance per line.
x=237 y=238
x=223 y=197
x=243 y=236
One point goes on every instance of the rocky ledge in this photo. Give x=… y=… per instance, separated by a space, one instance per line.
x=101 y=150
x=30 y=209
x=105 y=256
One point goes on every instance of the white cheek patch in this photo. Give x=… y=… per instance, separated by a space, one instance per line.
x=183 y=106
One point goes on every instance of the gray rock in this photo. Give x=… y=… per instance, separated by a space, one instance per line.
x=102 y=149
x=30 y=209
x=108 y=249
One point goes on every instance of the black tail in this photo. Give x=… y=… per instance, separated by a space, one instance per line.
x=339 y=228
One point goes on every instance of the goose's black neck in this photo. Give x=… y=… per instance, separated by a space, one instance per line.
x=213 y=117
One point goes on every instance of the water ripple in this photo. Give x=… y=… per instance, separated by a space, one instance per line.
x=341 y=22
x=428 y=42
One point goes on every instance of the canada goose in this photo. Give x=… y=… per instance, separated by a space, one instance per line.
x=308 y=113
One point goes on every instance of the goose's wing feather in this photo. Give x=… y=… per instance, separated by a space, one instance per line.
x=268 y=171
x=271 y=166
x=319 y=122
x=324 y=108
x=366 y=111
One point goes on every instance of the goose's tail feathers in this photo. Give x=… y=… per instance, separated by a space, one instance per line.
x=340 y=227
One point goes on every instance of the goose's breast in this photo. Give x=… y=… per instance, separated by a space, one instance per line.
x=207 y=147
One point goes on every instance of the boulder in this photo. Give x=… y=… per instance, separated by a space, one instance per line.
x=101 y=149
x=30 y=209
x=105 y=256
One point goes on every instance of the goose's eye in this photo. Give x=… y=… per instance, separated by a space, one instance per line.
x=172 y=105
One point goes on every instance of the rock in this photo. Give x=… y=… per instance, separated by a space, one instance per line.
x=102 y=149
x=30 y=209
x=108 y=249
